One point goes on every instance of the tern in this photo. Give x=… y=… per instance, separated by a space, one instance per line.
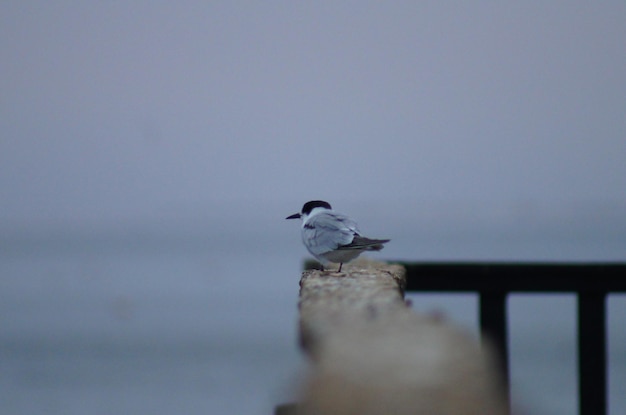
x=331 y=236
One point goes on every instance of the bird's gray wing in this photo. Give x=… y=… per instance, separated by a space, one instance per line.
x=326 y=231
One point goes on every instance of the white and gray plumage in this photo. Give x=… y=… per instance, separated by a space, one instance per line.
x=332 y=237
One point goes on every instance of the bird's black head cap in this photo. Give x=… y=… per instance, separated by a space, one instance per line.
x=309 y=206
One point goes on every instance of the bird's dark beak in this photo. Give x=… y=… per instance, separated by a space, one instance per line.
x=294 y=216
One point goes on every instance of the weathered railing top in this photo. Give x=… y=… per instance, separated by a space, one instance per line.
x=373 y=355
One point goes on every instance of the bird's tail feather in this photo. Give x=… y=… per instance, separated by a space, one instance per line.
x=359 y=242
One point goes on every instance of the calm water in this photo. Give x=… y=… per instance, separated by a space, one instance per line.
x=131 y=327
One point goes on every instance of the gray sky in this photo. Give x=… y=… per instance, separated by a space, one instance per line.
x=145 y=113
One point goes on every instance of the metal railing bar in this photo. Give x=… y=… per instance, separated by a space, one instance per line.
x=494 y=281
x=493 y=324
x=592 y=347
x=515 y=277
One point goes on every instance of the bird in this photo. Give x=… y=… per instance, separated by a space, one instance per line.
x=331 y=236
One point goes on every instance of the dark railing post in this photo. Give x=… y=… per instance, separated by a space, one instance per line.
x=592 y=353
x=493 y=323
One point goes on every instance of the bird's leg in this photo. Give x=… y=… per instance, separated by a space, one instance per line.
x=321 y=267
x=340 y=265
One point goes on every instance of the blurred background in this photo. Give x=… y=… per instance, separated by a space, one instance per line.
x=150 y=151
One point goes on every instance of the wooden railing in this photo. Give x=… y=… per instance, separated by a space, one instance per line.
x=492 y=282
x=372 y=354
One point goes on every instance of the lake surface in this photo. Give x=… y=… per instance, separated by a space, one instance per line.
x=136 y=326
